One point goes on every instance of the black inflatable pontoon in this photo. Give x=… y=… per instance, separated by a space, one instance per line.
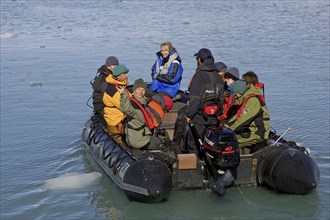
x=146 y=176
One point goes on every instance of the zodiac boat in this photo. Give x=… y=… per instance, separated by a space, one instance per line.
x=147 y=176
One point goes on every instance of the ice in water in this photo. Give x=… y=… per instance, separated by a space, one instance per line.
x=73 y=181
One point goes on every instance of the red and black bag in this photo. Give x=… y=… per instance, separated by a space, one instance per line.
x=211 y=110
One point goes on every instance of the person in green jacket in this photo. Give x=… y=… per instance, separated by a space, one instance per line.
x=138 y=134
x=251 y=122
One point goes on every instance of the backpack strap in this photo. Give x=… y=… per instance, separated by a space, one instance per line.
x=240 y=110
x=261 y=86
x=147 y=118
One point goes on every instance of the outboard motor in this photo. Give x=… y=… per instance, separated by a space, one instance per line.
x=221 y=148
x=222 y=151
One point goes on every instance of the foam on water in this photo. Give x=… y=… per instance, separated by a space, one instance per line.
x=73 y=181
x=6 y=36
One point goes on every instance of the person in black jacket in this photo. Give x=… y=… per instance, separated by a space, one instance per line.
x=99 y=85
x=206 y=95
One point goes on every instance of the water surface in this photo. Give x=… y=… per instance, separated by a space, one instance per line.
x=50 y=50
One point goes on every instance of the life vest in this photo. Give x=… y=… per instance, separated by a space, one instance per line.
x=261 y=86
x=261 y=120
x=228 y=107
x=165 y=67
x=157 y=112
x=241 y=109
x=153 y=116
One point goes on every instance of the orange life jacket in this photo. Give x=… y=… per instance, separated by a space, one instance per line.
x=153 y=116
x=157 y=112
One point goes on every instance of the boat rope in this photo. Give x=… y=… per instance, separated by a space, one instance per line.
x=239 y=189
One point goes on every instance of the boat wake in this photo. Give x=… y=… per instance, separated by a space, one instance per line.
x=73 y=181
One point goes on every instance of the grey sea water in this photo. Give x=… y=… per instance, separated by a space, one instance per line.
x=50 y=50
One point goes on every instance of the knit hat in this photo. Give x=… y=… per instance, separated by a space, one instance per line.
x=239 y=87
x=203 y=53
x=220 y=66
x=232 y=73
x=111 y=61
x=120 y=69
x=139 y=83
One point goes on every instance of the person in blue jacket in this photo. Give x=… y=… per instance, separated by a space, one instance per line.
x=167 y=70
